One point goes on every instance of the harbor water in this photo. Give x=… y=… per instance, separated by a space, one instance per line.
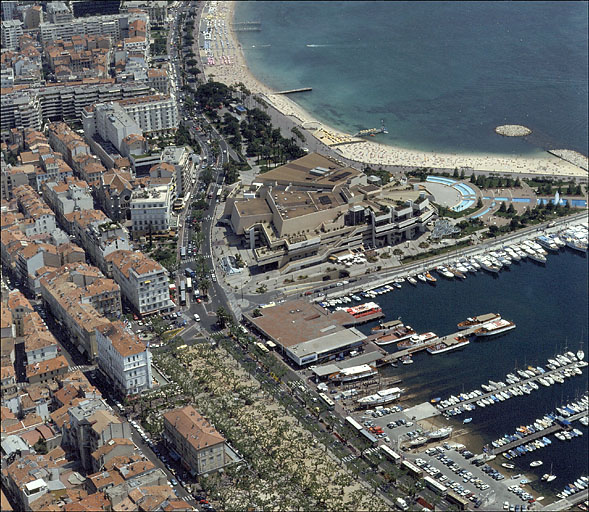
x=442 y=75
x=549 y=306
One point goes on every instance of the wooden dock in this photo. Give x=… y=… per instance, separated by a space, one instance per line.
x=508 y=387
x=292 y=91
x=448 y=340
x=536 y=435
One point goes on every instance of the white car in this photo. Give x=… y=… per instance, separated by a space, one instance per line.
x=196 y=317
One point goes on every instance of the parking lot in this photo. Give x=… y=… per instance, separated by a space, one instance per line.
x=450 y=464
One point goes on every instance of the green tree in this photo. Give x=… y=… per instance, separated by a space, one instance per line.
x=502 y=207
x=479 y=203
x=223 y=317
x=40 y=446
x=511 y=209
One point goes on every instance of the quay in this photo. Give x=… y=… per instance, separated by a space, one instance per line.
x=509 y=386
x=448 y=340
x=536 y=435
x=292 y=91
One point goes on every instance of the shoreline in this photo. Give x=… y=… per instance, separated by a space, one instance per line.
x=228 y=65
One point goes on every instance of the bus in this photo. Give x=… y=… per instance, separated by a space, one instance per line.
x=455 y=499
x=354 y=423
x=390 y=454
x=412 y=468
x=327 y=401
x=437 y=487
x=188 y=284
x=219 y=195
x=183 y=286
x=183 y=253
x=183 y=298
x=261 y=347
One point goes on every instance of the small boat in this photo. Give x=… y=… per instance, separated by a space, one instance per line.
x=580 y=355
x=536 y=463
x=467 y=420
x=412 y=280
x=478 y=320
x=407 y=360
x=421 y=277
x=430 y=278
x=507 y=465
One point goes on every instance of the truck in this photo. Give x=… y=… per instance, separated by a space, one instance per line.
x=401 y=503
x=189 y=272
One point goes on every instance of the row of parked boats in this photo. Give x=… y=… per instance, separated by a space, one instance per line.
x=570 y=365
x=577 y=486
x=494 y=261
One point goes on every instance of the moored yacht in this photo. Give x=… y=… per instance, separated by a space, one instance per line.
x=495 y=327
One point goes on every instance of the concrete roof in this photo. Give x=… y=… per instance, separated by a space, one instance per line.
x=333 y=341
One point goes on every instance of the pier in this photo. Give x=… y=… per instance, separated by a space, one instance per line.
x=293 y=91
x=247 y=26
x=508 y=387
x=449 y=340
x=539 y=434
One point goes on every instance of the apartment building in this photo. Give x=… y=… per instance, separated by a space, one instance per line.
x=48 y=370
x=38 y=216
x=114 y=193
x=159 y=80
x=59 y=12
x=67 y=142
x=157 y=9
x=200 y=447
x=124 y=359
x=111 y=122
x=311 y=208
x=64 y=198
x=98 y=235
x=150 y=209
x=26 y=108
x=39 y=347
x=143 y=281
x=72 y=306
x=86 y=285
x=183 y=161
x=90 y=425
x=153 y=113
x=11 y=31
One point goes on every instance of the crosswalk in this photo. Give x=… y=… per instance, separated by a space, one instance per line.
x=193 y=258
x=82 y=368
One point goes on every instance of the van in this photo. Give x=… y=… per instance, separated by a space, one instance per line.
x=196 y=317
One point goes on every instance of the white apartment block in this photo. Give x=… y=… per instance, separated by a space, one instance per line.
x=11 y=31
x=143 y=281
x=183 y=161
x=151 y=207
x=63 y=198
x=156 y=113
x=111 y=122
x=124 y=359
x=27 y=108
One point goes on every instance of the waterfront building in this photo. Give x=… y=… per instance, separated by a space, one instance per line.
x=143 y=281
x=183 y=161
x=123 y=359
x=306 y=332
x=306 y=211
x=200 y=447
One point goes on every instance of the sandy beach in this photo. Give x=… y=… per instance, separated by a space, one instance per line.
x=223 y=61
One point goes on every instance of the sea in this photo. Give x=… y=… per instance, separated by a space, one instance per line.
x=549 y=305
x=440 y=75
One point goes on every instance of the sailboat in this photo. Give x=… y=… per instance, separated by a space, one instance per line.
x=580 y=354
x=549 y=477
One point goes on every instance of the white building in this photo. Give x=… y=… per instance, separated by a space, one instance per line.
x=151 y=207
x=11 y=31
x=110 y=122
x=183 y=161
x=143 y=281
x=124 y=359
x=58 y=12
x=156 y=113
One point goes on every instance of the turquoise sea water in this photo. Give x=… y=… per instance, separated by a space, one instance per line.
x=442 y=75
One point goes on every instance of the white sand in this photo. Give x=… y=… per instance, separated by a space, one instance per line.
x=220 y=16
